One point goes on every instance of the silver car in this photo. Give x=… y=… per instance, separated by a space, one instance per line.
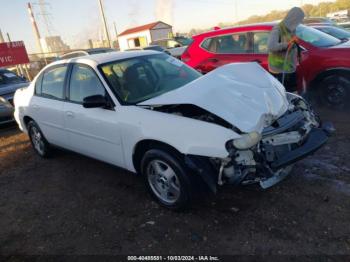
x=6 y=111
x=9 y=83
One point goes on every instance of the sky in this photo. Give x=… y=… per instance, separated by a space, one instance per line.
x=78 y=20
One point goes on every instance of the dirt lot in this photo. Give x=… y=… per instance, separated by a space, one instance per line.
x=71 y=204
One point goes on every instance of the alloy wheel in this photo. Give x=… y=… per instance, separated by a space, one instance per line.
x=163 y=181
x=37 y=140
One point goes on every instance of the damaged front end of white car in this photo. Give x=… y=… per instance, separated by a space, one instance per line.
x=273 y=128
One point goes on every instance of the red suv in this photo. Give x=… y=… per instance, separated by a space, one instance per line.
x=325 y=65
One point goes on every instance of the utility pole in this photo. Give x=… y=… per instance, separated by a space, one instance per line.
x=104 y=23
x=115 y=29
x=35 y=28
x=1 y=37
x=18 y=68
x=116 y=35
x=236 y=13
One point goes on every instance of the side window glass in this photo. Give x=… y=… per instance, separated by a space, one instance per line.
x=53 y=82
x=260 y=42
x=83 y=83
x=233 y=44
x=210 y=44
x=38 y=83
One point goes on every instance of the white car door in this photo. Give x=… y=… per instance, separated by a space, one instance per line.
x=46 y=106
x=93 y=132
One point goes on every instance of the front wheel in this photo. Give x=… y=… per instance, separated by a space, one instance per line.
x=166 y=179
x=335 y=91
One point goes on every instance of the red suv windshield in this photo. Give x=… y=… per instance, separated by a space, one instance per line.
x=316 y=37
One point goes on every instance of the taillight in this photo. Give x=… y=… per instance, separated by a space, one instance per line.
x=185 y=57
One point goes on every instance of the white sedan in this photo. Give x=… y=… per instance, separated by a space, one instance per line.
x=183 y=132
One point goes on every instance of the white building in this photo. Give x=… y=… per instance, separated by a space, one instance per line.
x=143 y=35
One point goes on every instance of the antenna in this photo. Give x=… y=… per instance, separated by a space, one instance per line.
x=35 y=28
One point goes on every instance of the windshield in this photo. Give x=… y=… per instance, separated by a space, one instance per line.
x=140 y=78
x=316 y=37
x=8 y=77
x=184 y=41
x=337 y=32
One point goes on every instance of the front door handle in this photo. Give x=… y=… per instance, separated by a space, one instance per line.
x=70 y=114
x=213 y=60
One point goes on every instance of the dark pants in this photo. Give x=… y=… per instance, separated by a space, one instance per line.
x=290 y=81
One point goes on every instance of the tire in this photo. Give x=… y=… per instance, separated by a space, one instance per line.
x=335 y=91
x=166 y=179
x=38 y=141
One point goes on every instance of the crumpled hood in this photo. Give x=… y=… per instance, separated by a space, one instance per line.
x=243 y=94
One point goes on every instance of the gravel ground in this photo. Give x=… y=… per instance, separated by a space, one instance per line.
x=71 y=204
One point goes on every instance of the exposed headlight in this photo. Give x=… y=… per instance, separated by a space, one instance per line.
x=4 y=103
x=247 y=140
x=2 y=100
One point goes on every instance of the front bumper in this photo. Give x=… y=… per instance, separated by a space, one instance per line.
x=317 y=137
x=6 y=115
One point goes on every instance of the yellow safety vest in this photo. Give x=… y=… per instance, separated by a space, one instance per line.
x=278 y=62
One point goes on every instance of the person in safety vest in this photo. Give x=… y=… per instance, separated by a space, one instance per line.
x=284 y=52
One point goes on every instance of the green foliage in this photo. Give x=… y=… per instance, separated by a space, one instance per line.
x=310 y=10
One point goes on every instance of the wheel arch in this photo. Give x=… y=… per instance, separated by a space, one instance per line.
x=142 y=146
x=341 y=71
x=26 y=120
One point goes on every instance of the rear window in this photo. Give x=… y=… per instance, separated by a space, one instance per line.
x=8 y=77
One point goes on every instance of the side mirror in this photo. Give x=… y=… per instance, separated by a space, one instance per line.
x=95 y=101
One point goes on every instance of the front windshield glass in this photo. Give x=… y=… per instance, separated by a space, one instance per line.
x=339 y=33
x=316 y=37
x=8 y=77
x=184 y=41
x=140 y=78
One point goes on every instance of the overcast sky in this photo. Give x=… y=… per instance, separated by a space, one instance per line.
x=78 y=20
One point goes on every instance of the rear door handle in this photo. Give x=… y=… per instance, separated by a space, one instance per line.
x=70 y=114
x=257 y=61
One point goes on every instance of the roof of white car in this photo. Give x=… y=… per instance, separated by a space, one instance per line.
x=106 y=57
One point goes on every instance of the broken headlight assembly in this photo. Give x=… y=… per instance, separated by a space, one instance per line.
x=245 y=141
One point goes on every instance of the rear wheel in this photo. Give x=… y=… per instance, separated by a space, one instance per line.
x=335 y=91
x=166 y=179
x=38 y=141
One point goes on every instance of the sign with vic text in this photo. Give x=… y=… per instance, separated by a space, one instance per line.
x=13 y=53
